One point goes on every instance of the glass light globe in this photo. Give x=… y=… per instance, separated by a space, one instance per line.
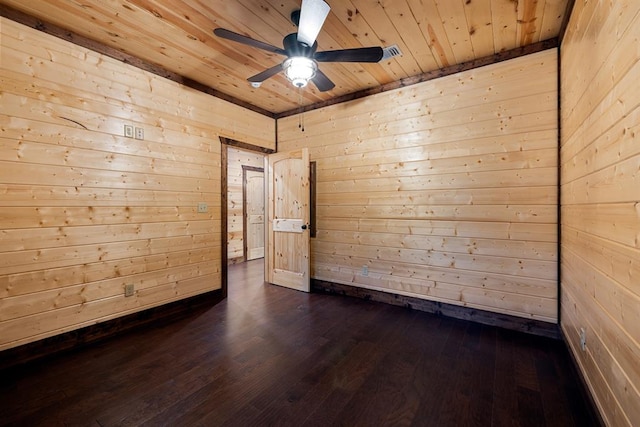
x=299 y=70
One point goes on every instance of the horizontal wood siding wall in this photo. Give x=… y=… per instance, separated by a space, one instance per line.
x=84 y=210
x=600 y=187
x=445 y=190
x=235 y=220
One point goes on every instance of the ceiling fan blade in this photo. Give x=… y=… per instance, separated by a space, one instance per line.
x=322 y=82
x=312 y=15
x=362 y=54
x=230 y=35
x=264 y=75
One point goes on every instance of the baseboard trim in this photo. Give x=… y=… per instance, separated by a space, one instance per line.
x=534 y=327
x=595 y=414
x=67 y=341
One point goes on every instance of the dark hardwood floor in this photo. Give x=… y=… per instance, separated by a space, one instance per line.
x=272 y=356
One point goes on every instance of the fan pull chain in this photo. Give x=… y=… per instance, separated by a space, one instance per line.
x=301 y=115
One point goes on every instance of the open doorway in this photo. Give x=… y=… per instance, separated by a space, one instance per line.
x=245 y=205
x=242 y=197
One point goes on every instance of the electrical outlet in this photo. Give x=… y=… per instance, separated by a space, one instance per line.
x=129 y=289
x=583 y=339
x=203 y=208
x=365 y=270
x=128 y=131
x=139 y=133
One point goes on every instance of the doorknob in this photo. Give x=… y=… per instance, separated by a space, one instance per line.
x=304 y=226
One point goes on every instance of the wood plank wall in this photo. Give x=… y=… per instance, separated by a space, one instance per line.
x=445 y=190
x=84 y=210
x=235 y=221
x=600 y=187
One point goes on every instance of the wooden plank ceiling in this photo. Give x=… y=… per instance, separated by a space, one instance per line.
x=177 y=35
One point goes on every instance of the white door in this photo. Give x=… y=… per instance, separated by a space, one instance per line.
x=287 y=195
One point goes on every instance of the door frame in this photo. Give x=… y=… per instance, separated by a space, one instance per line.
x=245 y=168
x=225 y=143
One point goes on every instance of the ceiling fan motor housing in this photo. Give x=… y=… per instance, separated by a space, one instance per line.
x=295 y=48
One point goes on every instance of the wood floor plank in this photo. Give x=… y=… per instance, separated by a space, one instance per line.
x=530 y=410
x=272 y=356
x=504 y=407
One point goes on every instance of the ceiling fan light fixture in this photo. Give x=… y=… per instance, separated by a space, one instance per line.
x=299 y=70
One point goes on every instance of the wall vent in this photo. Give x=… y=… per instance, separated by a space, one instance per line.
x=390 y=52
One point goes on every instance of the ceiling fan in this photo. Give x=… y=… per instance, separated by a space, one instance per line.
x=302 y=60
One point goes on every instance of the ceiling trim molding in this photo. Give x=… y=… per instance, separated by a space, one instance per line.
x=70 y=36
x=429 y=75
